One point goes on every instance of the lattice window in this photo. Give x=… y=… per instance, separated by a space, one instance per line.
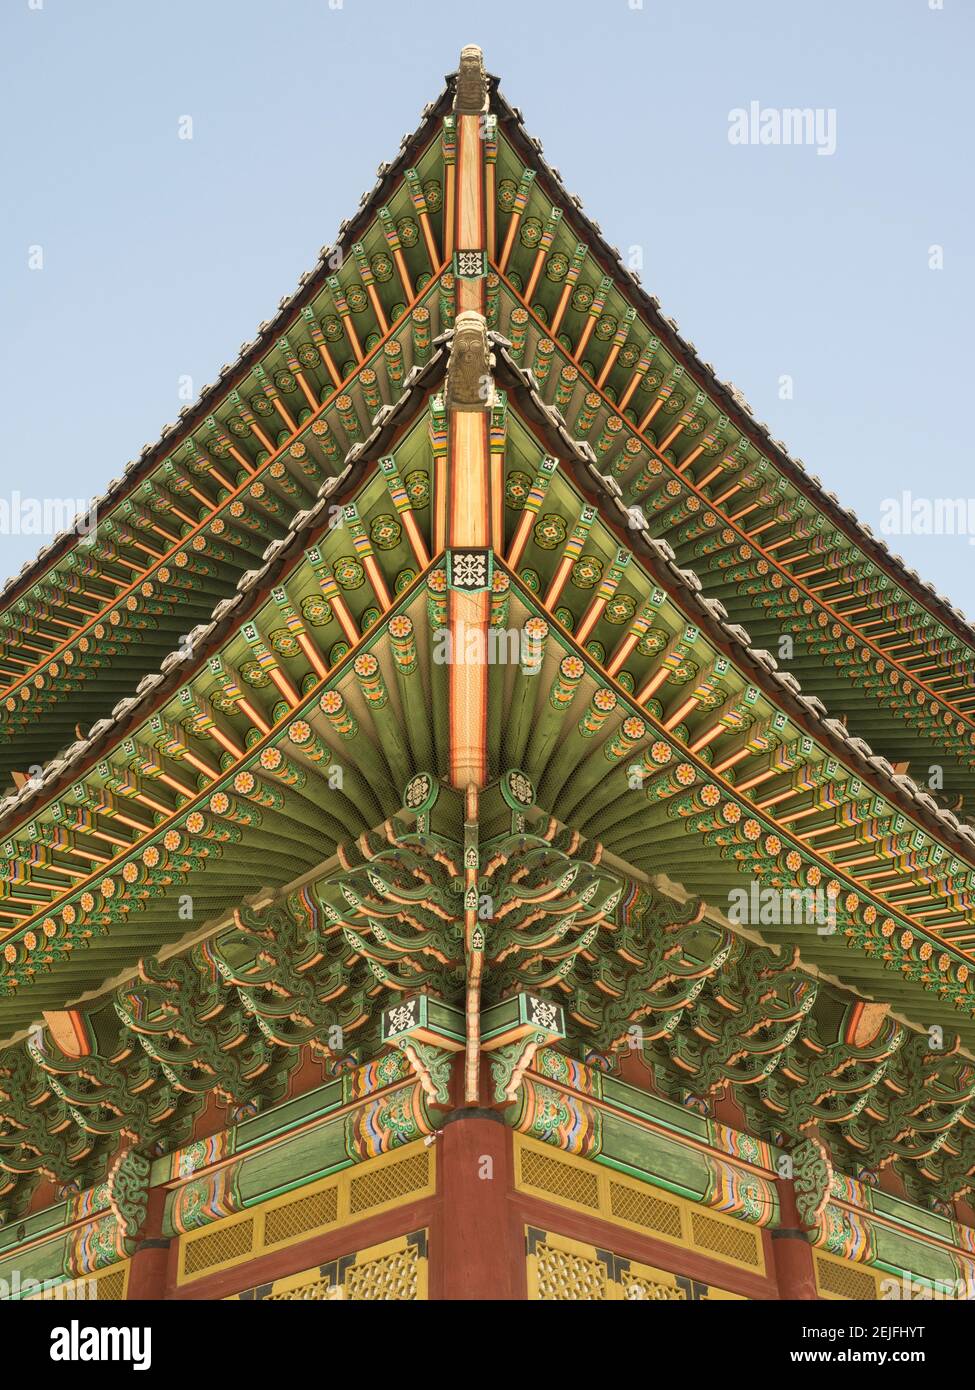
x=638 y=1287
x=306 y=1214
x=315 y=1291
x=110 y=1287
x=391 y=1277
x=395 y=1270
x=729 y=1241
x=845 y=1282
x=217 y=1247
x=644 y=1209
x=566 y=1277
x=389 y=1183
x=547 y=1174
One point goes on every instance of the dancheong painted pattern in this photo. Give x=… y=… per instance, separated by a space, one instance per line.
x=472 y=817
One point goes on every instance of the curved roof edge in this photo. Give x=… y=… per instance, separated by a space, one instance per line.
x=756 y=662
x=725 y=394
x=192 y=416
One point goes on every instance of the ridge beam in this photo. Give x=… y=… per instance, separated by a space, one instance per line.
x=469 y=395
x=465 y=219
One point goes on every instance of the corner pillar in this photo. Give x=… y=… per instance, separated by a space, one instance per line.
x=149 y=1266
x=478 y=1259
x=794 y=1269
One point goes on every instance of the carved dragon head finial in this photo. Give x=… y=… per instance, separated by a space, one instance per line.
x=469 y=382
x=471 y=91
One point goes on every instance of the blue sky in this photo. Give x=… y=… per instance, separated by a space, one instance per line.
x=161 y=255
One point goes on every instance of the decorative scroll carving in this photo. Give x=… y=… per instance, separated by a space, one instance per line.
x=509 y=1064
x=432 y=1068
x=128 y=1194
x=812 y=1173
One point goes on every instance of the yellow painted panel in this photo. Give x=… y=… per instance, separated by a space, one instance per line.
x=395 y=1271
x=377 y=1185
x=588 y=1187
x=565 y=1270
x=842 y=1279
x=108 y=1285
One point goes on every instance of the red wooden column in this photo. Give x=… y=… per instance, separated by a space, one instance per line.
x=794 y=1270
x=149 y=1264
x=477 y=1234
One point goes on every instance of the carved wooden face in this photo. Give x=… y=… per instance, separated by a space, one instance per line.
x=471 y=357
x=471 y=86
x=469 y=365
